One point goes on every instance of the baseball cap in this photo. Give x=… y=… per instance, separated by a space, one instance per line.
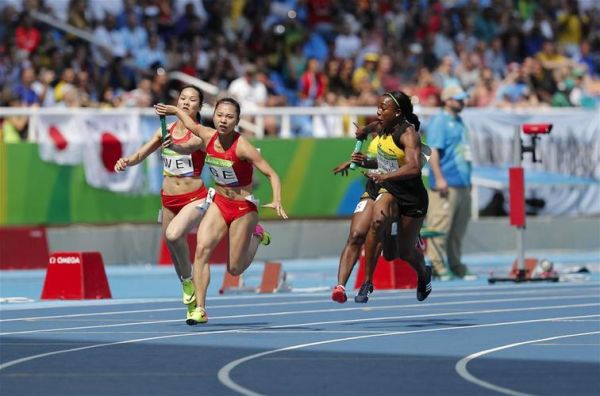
x=371 y=57
x=454 y=92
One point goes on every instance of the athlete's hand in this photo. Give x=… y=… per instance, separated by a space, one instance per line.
x=342 y=168
x=164 y=110
x=360 y=133
x=121 y=164
x=278 y=208
x=377 y=177
x=358 y=158
x=167 y=141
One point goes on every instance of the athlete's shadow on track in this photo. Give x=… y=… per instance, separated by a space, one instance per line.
x=423 y=323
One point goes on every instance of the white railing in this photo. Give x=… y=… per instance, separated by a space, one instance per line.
x=340 y=119
x=326 y=121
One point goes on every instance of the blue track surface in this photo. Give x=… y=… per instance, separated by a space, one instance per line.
x=467 y=338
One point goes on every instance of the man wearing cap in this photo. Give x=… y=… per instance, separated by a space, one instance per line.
x=450 y=184
x=368 y=72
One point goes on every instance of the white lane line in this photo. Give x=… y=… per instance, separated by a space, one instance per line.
x=381 y=295
x=379 y=318
x=333 y=310
x=60 y=352
x=289 y=303
x=461 y=366
x=337 y=309
x=224 y=374
x=285 y=313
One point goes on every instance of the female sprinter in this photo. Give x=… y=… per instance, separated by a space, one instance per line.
x=183 y=193
x=361 y=218
x=230 y=158
x=403 y=195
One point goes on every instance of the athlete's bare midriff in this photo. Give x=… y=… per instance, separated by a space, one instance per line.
x=181 y=185
x=236 y=193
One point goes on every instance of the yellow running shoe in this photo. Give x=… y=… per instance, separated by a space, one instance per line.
x=189 y=292
x=190 y=310
x=197 y=316
x=264 y=235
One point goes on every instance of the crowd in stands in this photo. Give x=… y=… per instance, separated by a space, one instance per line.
x=505 y=53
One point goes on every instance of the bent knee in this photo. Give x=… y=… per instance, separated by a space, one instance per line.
x=172 y=235
x=235 y=271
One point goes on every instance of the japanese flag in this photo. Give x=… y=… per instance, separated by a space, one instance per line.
x=60 y=139
x=108 y=138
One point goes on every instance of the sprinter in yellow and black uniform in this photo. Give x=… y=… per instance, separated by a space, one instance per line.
x=361 y=218
x=401 y=206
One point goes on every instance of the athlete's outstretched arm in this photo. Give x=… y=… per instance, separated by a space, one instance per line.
x=148 y=148
x=248 y=152
x=199 y=130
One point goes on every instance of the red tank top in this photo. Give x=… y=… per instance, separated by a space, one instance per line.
x=182 y=165
x=227 y=169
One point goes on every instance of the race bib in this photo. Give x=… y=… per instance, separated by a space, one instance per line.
x=178 y=165
x=221 y=170
x=386 y=164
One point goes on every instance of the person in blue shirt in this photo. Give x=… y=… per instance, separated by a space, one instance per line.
x=450 y=185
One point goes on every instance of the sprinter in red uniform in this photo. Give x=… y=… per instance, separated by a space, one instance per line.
x=183 y=193
x=230 y=159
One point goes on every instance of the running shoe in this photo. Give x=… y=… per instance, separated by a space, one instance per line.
x=424 y=285
x=363 y=294
x=190 y=310
x=189 y=293
x=264 y=235
x=339 y=294
x=197 y=316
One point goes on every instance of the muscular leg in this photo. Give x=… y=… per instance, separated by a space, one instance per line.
x=359 y=226
x=211 y=231
x=176 y=237
x=167 y=217
x=381 y=214
x=242 y=243
x=408 y=230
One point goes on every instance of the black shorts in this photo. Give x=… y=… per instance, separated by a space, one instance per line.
x=411 y=196
x=371 y=190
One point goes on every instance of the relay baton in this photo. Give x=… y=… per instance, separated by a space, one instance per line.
x=357 y=147
x=163 y=126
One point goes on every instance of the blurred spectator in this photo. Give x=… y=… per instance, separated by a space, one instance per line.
x=14 y=128
x=550 y=57
x=109 y=41
x=250 y=92
x=555 y=43
x=134 y=36
x=27 y=36
x=24 y=91
x=341 y=84
x=426 y=91
x=484 y=92
x=386 y=75
x=368 y=72
x=514 y=90
x=151 y=55
x=494 y=58
x=571 y=27
x=347 y=43
x=312 y=84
